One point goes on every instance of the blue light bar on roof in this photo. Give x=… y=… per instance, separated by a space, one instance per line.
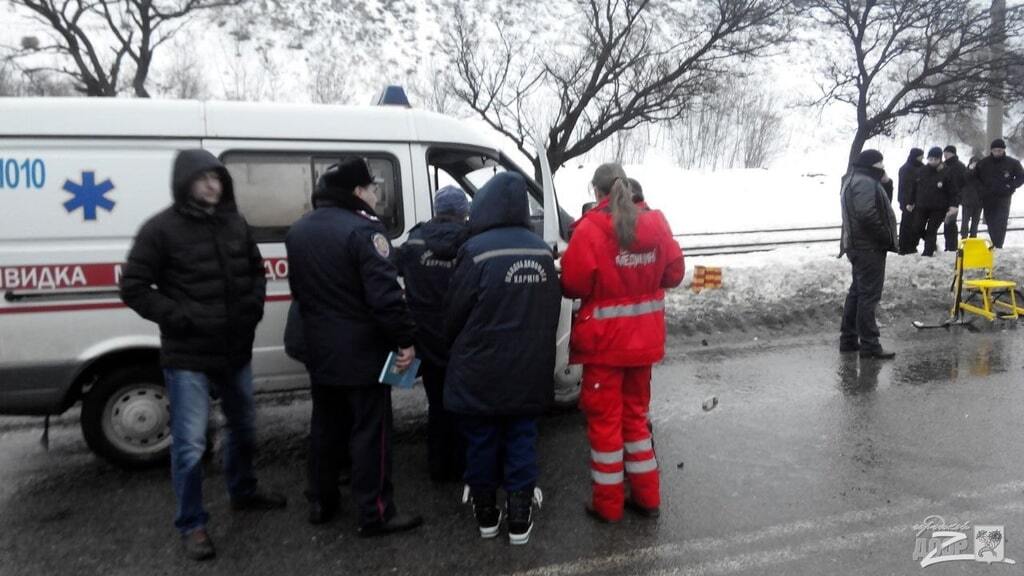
x=393 y=96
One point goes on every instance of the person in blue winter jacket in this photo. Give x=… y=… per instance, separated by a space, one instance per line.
x=502 y=315
x=426 y=261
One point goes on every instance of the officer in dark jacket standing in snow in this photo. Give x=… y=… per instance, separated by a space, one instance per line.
x=869 y=232
x=353 y=314
x=933 y=198
x=999 y=176
x=970 y=202
x=196 y=271
x=427 y=261
x=502 y=316
x=908 y=238
x=958 y=173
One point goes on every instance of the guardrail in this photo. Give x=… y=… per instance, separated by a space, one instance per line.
x=752 y=241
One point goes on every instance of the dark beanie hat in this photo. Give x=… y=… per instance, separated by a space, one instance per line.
x=869 y=158
x=915 y=152
x=951 y=149
x=935 y=152
x=998 y=143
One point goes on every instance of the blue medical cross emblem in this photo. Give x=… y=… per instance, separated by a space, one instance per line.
x=89 y=195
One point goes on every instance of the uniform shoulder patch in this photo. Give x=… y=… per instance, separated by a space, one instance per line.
x=381 y=244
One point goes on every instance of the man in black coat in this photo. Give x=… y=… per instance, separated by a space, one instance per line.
x=353 y=314
x=999 y=176
x=907 y=237
x=869 y=233
x=958 y=174
x=932 y=199
x=970 y=201
x=503 y=311
x=196 y=271
x=427 y=261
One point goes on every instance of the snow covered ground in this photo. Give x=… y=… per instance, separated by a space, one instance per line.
x=803 y=288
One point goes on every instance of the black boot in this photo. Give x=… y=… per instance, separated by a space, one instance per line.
x=520 y=514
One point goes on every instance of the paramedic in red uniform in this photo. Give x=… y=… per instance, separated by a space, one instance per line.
x=619 y=262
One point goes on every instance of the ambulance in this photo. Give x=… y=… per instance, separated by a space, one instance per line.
x=78 y=177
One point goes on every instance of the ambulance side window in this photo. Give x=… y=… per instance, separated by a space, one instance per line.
x=384 y=169
x=272 y=190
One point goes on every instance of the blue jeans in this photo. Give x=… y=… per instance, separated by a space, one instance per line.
x=189 y=393
x=502 y=450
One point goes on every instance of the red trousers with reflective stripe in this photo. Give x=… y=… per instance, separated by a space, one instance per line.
x=616 y=401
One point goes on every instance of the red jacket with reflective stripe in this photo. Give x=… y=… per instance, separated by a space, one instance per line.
x=622 y=318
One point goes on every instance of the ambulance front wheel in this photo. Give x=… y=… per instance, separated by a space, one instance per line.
x=126 y=417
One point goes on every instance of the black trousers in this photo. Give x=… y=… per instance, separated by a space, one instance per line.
x=859 y=325
x=908 y=233
x=950 y=233
x=359 y=416
x=971 y=218
x=997 y=215
x=928 y=222
x=446 y=447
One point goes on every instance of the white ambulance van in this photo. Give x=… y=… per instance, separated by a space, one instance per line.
x=79 y=176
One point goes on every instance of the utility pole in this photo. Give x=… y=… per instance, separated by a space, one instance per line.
x=995 y=105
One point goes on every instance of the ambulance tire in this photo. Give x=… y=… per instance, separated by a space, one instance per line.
x=126 y=417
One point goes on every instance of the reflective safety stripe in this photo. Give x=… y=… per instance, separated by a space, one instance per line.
x=510 y=252
x=606 y=457
x=643 y=466
x=416 y=242
x=607 y=478
x=639 y=446
x=627 y=310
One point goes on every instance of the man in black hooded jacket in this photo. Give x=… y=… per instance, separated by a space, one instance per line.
x=908 y=239
x=502 y=315
x=352 y=314
x=196 y=271
x=426 y=261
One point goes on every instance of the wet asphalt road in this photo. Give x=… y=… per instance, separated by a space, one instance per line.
x=813 y=463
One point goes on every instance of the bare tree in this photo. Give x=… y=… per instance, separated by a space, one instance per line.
x=742 y=126
x=628 y=63
x=429 y=87
x=18 y=82
x=97 y=38
x=904 y=58
x=183 y=79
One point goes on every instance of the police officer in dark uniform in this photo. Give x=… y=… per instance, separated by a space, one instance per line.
x=933 y=198
x=353 y=314
x=426 y=261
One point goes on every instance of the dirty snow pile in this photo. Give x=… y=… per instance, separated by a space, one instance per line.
x=805 y=287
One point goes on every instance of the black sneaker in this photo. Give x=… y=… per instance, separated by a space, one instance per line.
x=259 y=500
x=198 y=545
x=520 y=514
x=485 y=508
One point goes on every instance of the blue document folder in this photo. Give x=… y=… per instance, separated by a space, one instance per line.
x=390 y=375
